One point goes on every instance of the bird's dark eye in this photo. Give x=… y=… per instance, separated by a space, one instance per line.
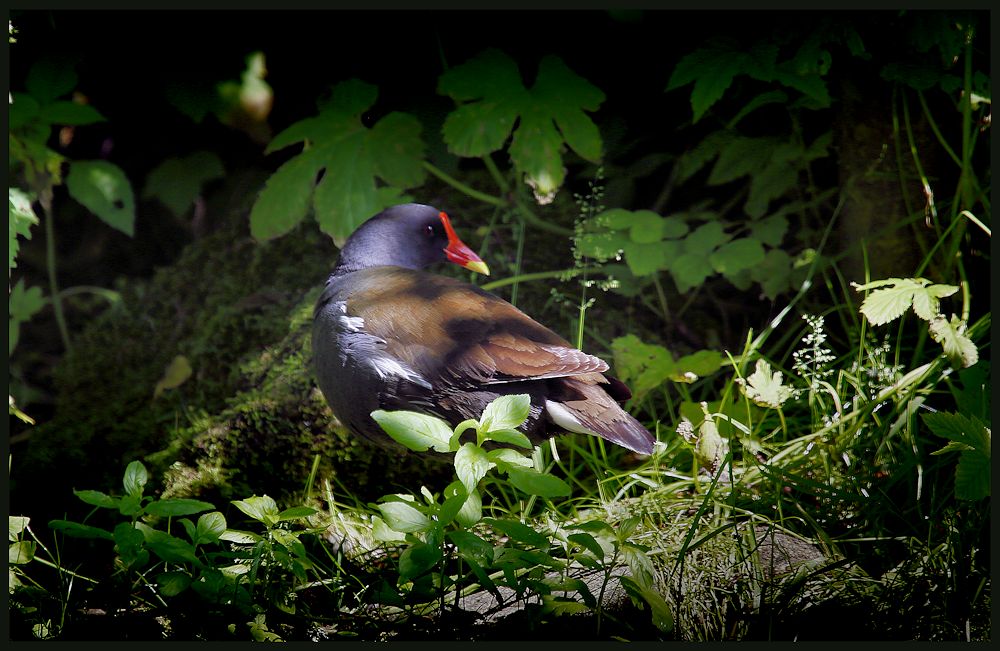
x=429 y=231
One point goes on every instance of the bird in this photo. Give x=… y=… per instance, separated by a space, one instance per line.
x=389 y=335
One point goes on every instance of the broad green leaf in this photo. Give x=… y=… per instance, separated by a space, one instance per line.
x=642 y=366
x=659 y=609
x=705 y=239
x=209 y=528
x=173 y=583
x=104 y=190
x=960 y=350
x=552 y=113
x=471 y=465
x=504 y=458
x=416 y=431
x=50 y=78
x=350 y=157
x=471 y=511
x=417 y=559
x=764 y=99
x=23 y=304
x=472 y=547
x=130 y=505
x=176 y=374
x=588 y=542
x=21 y=217
x=77 y=530
x=176 y=507
x=97 y=498
x=764 y=387
x=506 y=412
x=23 y=110
x=926 y=303
x=563 y=606
x=536 y=483
x=297 y=513
x=519 y=532
x=130 y=545
x=960 y=428
x=774 y=179
x=261 y=508
x=383 y=533
x=690 y=270
x=169 y=548
x=740 y=157
x=712 y=69
x=972 y=476
x=699 y=364
x=646 y=259
x=240 y=537
x=737 y=255
x=21 y=552
x=69 y=113
x=135 y=479
x=177 y=182
x=774 y=273
x=16 y=524
x=510 y=436
x=403 y=517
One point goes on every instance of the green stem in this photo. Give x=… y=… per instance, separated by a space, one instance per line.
x=530 y=217
x=539 y=275
x=45 y=198
x=463 y=188
x=517 y=263
x=495 y=173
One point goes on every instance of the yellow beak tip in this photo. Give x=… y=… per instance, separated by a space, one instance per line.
x=479 y=267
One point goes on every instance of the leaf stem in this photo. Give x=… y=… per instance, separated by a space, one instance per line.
x=463 y=188
x=45 y=199
x=539 y=275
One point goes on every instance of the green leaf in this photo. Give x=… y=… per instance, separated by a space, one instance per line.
x=472 y=547
x=22 y=552
x=510 y=436
x=506 y=412
x=169 y=548
x=176 y=374
x=646 y=259
x=960 y=350
x=535 y=483
x=552 y=113
x=698 y=364
x=417 y=559
x=130 y=545
x=69 y=113
x=173 y=583
x=563 y=606
x=209 y=528
x=643 y=366
x=176 y=507
x=260 y=508
x=177 y=182
x=382 y=532
x=740 y=157
x=16 y=524
x=471 y=511
x=659 y=609
x=50 y=78
x=351 y=159
x=519 y=532
x=297 y=513
x=24 y=111
x=135 y=479
x=416 y=431
x=891 y=298
x=774 y=273
x=103 y=188
x=77 y=530
x=960 y=428
x=21 y=217
x=972 y=476
x=764 y=388
x=23 y=304
x=712 y=69
x=504 y=458
x=130 y=505
x=471 y=465
x=737 y=255
x=588 y=542
x=705 y=239
x=97 y=498
x=403 y=517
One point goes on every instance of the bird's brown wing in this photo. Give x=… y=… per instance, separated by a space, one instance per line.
x=454 y=332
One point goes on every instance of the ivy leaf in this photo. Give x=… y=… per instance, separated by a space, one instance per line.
x=492 y=98
x=21 y=217
x=104 y=190
x=893 y=296
x=350 y=160
x=959 y=349
x=177 y=182
x=414 y=430
x=764 y=388
x=737 y=255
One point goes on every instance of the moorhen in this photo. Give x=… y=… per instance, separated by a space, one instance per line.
x=387 y=335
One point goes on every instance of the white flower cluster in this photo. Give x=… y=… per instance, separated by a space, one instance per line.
x=812 y=361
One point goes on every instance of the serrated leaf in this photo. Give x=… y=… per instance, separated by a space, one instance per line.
x=888 y=303
x=505 y=412
x=416 y=431
x=16 y=524
x=740 y=157
x=471 y=465
x=960 y=350
x=972 y=476
x=104 y=190
x=550 y=114
x=177 y=506
x=712 y=69
x=177 y=182
x=403 y=517
x=642 y=366
x=646 y=259
x=22 y=304
x=960 y=428
x=737 y=255
x=21 y=217
x=177 y=373
x=704 y=239
x=926 y=303
x=536 y=483
x=764 y=387
x=351 y=158
x=689 y=270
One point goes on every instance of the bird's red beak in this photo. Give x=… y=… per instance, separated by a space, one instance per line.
x=459 y=253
